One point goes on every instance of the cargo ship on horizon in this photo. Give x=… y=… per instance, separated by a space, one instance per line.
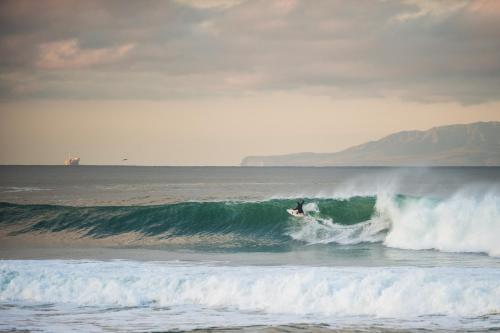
x=72 y=161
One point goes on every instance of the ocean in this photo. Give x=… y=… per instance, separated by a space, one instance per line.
x=169 y=249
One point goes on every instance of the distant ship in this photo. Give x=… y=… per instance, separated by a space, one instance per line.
x=72 y=161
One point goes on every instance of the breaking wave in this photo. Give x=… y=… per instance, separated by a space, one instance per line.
x=399 y=292
x=464 y=222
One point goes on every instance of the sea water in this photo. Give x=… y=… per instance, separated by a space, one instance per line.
x=95 y=249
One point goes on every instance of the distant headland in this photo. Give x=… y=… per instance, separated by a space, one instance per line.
x=475 y=144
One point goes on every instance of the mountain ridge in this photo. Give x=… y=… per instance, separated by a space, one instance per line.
x=474 y=144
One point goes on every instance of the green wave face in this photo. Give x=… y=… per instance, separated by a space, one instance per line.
x=247 y=223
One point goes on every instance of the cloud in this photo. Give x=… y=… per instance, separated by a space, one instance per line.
x=209 y=3
x=67 y=54
x=430 y=8
x=418 y=50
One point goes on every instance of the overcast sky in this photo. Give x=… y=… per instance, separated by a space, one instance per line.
x=209 y=82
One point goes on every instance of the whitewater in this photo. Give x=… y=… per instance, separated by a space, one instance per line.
x=324 y=293
x=179 y=249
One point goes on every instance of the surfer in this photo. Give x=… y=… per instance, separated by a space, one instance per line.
x=299 y=207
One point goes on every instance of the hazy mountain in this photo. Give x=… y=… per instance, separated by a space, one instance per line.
x=476 y=144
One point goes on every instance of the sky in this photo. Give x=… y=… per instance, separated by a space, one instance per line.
x=209 y=82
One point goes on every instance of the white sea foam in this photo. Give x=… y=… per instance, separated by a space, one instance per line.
x=462 y=223
x=394 y=292
x=15 y=189
x=315 y=230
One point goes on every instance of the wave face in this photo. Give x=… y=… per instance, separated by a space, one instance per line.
x=465 y=222
x=223 y=223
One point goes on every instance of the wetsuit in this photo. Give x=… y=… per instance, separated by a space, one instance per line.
x=299 y=207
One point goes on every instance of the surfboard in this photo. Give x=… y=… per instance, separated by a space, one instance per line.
x=293 y=212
